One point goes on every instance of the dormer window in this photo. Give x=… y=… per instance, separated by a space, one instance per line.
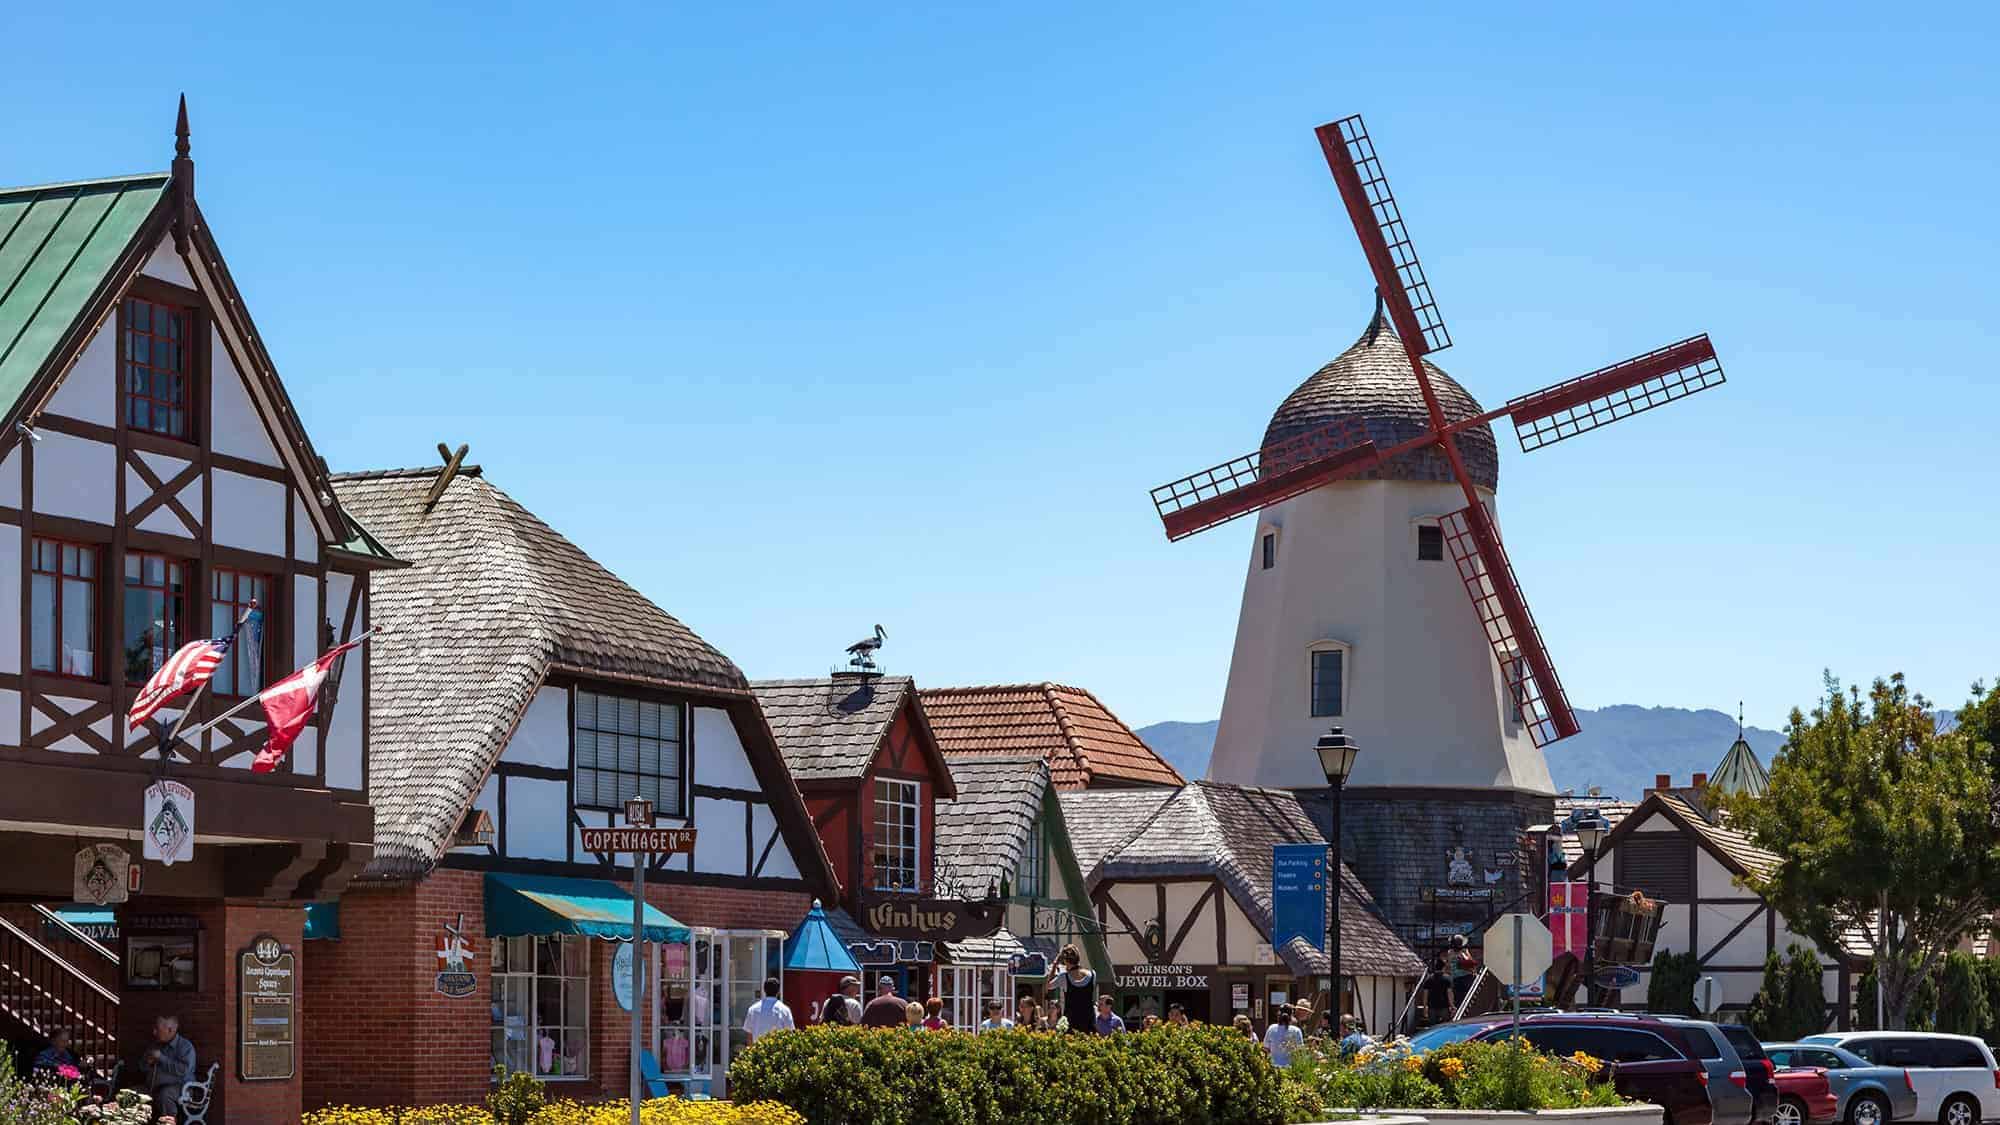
x=898 y=828
x=625 y=748
x=158 y=368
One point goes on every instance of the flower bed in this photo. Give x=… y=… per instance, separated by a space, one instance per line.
x=659 y=1111
x=1509 y=1075
x=1167 y=1076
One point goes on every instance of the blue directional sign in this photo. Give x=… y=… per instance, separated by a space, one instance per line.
x=1298 y=894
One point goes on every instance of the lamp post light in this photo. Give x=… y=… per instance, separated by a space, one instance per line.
x=1590 y=832
x=1336 y=759
x=638 y=814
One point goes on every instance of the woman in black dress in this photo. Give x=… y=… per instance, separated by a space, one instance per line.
x=1079 y=988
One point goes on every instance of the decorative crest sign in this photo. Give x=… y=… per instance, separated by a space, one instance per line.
x=169 y=822
x=102 y=871
x=454 y=953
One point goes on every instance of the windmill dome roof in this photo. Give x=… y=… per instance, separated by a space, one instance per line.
x=1372 y=381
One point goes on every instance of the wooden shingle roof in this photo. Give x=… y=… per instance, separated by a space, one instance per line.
x=1083 y=742
x=982 y=835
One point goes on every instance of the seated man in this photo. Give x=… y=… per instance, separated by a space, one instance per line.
x=169 y=1065
x=57 y=1055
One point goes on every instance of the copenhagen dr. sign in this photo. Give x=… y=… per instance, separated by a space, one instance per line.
x=927 y=919
x=1161 y=976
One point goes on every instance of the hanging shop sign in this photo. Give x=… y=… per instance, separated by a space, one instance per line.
x=909 y=918
x=454 y=953
x=169 y=822
x=102 y=874
x=268 y=1017
x=1161 y=976
x=621 y=975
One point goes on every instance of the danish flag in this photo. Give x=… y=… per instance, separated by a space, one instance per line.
x=288 y=706
x=188 y=668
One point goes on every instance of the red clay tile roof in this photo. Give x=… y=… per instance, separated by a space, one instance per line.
x=1084 y=743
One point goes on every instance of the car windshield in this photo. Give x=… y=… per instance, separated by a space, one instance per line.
x=1745 y=1043
x=1830 y=1040
x=1434 y=1037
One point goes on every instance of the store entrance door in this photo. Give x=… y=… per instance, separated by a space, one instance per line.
x=1194 y=1000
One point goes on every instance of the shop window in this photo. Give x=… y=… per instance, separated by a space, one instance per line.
x=231 y=594
x=707 y=984
x=158 y=349
x=965 y=989
x=62 y=609
x=626 y=748
x=541 y=1006
x=897 y=831
x=163 y=962
x=155 y=612
x=1033 y=877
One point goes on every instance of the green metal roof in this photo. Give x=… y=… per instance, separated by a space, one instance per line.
x=58 y=244
x=1740 y=771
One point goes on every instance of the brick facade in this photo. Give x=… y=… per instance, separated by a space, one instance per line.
x=378 y=1032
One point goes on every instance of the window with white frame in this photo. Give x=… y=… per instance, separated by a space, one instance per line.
x=1329 y=679
x=1032 y=878
x=541 y=1005
x=897 y=832
x=627 y=748
x=965 y=989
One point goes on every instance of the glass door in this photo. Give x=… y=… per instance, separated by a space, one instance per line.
x=748 y=957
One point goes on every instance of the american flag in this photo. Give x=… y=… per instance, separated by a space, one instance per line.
x=188 y=668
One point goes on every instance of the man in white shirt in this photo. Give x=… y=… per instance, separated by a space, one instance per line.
x=767 y=1015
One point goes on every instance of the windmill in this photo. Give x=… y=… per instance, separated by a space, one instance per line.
x=1342 y=448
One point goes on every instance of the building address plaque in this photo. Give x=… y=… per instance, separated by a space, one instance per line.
x=1161 y=976
x=267 y=1011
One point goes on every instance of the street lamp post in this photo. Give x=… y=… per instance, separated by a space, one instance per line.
x=638 y=814
x=1336 y=759
x=1590 y=833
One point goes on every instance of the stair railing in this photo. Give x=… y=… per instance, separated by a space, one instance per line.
x=1471 y=992
x=43 y=991
x=55 y=919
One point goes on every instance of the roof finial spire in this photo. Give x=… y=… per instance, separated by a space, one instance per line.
x=1375 y=322
x=183 y=173
x=1739 y=720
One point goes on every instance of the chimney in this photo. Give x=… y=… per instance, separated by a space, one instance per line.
x=1701 y=781
x=1663 y=781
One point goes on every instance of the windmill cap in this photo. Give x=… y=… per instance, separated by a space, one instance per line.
x=1372 y=381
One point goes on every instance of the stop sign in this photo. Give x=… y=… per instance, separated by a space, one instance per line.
x=1518 y=948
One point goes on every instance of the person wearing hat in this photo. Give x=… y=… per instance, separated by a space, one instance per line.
x=843 y=1007
x=1353 y=1040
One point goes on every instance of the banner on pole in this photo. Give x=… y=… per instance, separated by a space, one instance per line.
x=1298 y=894
x=1569 y=904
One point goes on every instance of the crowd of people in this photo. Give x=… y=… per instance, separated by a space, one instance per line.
x=1071 y=1003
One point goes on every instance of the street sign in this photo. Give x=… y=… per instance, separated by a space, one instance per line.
x=1617 y=976
x=660 y=841
x=1517 y=949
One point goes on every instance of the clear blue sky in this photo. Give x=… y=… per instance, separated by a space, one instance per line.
x=807 y=318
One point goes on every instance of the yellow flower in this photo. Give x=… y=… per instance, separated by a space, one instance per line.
x=1588 y=1064
x=1413 y=1064
x=1452 y=1068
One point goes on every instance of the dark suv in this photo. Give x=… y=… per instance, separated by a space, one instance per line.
x=1653 y=1060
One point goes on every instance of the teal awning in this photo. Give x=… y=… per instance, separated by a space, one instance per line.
x=815 y=948
x=79 y=915
x=322 y=920
x=522 y=905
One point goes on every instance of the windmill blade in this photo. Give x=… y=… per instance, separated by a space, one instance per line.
x=1618 y=391
x=1277 y=472
x=1378 y=223
x=1503 y=613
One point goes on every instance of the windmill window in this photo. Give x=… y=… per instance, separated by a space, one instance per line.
x=628 y=747
x=1328 y=673
x=158 y=347
x=62 y=609
x=231 y=594
x=1430 y=543
x=1270 y=549
x=155 y=612
x=898 y=834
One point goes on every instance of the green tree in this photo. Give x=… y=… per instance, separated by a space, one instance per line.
x=1921 y=1014
x=1886 y=830
x=1670 y=986
x=1805 y=991
x=1989 y=983
x=1766 y=1014
x=1962 y=1006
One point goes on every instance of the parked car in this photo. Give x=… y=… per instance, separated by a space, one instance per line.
x=1868 y=1094
x=1758 y=1075
x=1728 y=1082
x=1957 y=1081
x=1653 y=1059
x=1805 y=1097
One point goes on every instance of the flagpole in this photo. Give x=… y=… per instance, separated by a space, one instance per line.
x=248 y=700
x=166 y=747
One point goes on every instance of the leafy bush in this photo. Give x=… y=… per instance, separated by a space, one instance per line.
x=516 y=1097
x=659 y=1111
x=1670 y=986
x=1509 y=1075
x=1791 y=1004
x=1962 y=996
x=1207 y=1075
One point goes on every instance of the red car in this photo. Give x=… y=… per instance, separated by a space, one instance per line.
x=1804 y=1096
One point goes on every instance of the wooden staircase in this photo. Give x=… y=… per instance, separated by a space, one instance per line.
x=41 y=991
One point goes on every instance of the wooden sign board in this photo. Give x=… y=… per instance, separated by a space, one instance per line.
x=659 y=841
x=267 y=1011
x=914 y=918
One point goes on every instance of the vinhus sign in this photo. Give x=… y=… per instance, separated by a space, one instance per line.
x=927 y=919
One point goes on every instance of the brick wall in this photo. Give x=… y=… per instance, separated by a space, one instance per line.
x=203 y=1021
x=265 y=1102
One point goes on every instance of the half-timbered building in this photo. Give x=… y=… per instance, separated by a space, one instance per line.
x=156 y=483
x=1181 y=881
x=525 y=693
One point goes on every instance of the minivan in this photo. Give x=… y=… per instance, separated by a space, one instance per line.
x=1956 y=1078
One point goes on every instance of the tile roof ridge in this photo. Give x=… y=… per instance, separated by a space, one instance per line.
x=400 y=474
x=822 y=681
x=1068 y=731
x=987 y=689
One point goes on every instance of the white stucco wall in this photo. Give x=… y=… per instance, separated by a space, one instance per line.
x=537 y=818
x=75 y=477
x=237 y=425
x=249 y=512
x=305 y=534
x=343 y=737
x=89 y=393
x=542 y=737
x=781 y=864
x=1420 y=678
x=166 y=265
x=10 y=478
x=718 y=840
x=719 y=758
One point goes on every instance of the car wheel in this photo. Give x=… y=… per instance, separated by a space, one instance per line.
x=1791 y=1111
x=1867 y=1109
x=1960 y=1110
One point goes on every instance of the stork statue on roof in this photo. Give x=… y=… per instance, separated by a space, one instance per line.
x=861 y=654
x=1374 y=490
